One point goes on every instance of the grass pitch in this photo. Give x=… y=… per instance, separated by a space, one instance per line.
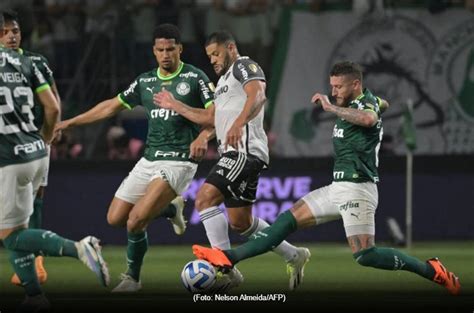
x=333 y=282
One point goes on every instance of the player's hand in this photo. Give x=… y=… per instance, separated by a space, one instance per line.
x=198 y=149
x=323 y=100
x=59 y=127
x=164 y=99
x=57 y=135
x=234 y=136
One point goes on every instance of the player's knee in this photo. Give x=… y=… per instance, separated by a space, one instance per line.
x=366 y=257
x=136 y=224
x=239 y=226
x=202 y=202
x=115 y=220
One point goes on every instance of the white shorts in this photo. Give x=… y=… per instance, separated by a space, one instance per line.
x=44 y=179
x=18 y=186
x=354 y=202
x=178 y=174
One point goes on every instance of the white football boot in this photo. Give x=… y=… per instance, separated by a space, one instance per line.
x=295 y=267
x=178 y=221
x=127 y=284
x=89 y=252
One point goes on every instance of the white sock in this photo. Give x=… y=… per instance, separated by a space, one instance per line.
x=284 y=249
x=216 y=226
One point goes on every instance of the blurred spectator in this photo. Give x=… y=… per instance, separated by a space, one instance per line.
x=144 y=19
x=42 y=39
x=469 y=5
x=67 y=20
x=121 y=146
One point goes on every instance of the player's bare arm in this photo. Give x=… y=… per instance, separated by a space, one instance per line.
x=52 y=112
x=165 y=99
x=199 y=146
x=362 y=118
x=101 y=111
x=256 y=99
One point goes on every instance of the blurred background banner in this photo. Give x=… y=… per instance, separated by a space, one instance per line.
x=82 y=191
x=406 y=54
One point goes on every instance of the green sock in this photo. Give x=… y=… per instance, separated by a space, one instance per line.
x=40 y=242
x=391 y=259
x=23 y=264
x=36 y=219
x=136 y=249
x=168 y=212
x=264 y=240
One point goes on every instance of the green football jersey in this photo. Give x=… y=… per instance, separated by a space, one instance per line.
x=20 y=140
x=43 y=66
x=356 y=148
x=169 y=134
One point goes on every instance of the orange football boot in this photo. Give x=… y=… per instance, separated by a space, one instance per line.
x=445 y=278
x=213 y=255
x=40 y=271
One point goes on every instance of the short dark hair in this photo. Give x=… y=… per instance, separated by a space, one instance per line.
x=10 y=16
x=220 y=37
x=167 y=31
x=2 y=20
x=347 y=68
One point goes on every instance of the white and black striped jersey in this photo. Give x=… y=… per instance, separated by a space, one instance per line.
x=229 y=102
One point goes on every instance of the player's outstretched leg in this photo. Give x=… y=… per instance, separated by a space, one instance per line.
x=445 y=278
x=47 y=243
x=213 y=255
x=295 y=267
x=392 y=259
x=295 y=257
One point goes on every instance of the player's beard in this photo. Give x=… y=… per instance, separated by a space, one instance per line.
x=225 y=66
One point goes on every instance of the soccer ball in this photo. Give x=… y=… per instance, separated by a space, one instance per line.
x=198 y=276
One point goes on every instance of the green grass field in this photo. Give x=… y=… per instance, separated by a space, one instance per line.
x=333 y=281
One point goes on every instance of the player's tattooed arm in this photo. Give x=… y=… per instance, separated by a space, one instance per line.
x=357 y=117
x=365 y=118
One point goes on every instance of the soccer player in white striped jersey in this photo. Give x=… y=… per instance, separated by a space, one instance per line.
x=237 y=115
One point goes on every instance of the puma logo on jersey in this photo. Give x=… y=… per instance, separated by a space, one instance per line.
x=338 y=132
x=356 y=215
x=150 y=89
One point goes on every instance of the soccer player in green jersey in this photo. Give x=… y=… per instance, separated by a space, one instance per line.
x=12 y=39
x=352 y=196
x=168 y=165
x=23 y=162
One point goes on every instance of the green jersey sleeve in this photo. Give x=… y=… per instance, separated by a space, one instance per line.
x=366 y=103
x=206 y=89
x=38 y=81
x=130 y=97
x=44 y=68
